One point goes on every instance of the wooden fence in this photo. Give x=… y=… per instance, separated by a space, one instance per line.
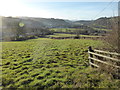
x=103 y=59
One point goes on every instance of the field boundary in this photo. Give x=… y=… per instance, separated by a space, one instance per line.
x=74 y=37
x=97 y=57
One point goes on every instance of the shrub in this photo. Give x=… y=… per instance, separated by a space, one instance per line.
x=113 y=37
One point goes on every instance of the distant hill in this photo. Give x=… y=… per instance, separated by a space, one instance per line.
x=103 y=22
x=50 y=22
x=40 y=26
x=83 y=22
x=11 y=29
x=32 y=26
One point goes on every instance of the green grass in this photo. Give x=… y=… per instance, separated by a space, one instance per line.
x=102 y=29
x=65 y=29
x=61 y=35
x=89 y=36
x=48 y=63
x=69 y=35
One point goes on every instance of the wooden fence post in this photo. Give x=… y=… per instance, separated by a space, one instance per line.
x=90 y=55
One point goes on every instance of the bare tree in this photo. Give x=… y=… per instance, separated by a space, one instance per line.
x=113 y=37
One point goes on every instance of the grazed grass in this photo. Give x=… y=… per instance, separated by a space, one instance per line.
x=47 y=63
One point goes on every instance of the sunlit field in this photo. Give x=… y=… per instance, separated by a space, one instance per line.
x=49 y=63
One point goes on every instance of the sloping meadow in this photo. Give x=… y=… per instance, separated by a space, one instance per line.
x=48 y=63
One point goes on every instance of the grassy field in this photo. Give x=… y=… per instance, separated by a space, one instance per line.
x=102 y=29
x=69 y=35
x=75 y=29
x=65 y=29
x=61 y=35
x=48 y=63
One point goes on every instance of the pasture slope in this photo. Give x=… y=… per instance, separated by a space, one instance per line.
x=48 y=63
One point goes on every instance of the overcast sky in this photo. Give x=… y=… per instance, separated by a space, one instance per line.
x=64 y=9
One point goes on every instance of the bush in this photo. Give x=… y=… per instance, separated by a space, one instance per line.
x=113 y=38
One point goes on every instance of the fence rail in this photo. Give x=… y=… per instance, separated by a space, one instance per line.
x=112 y=53
x=99 y=57
x=103 y=62
x=114 y=59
